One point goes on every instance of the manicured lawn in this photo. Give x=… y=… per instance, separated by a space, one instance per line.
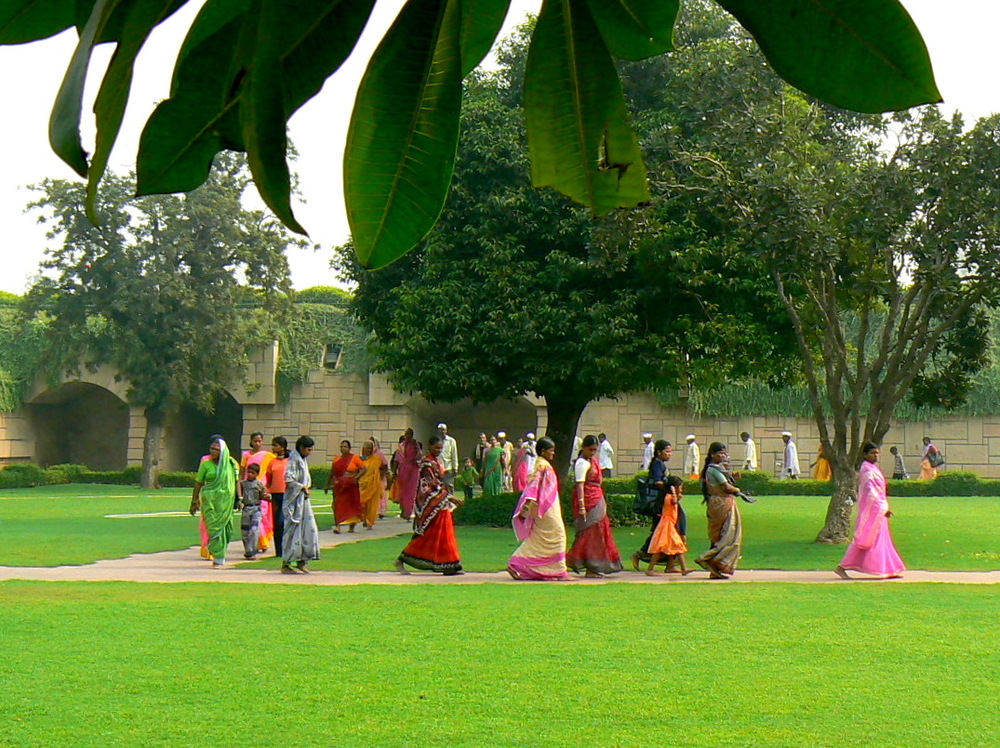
x=71 y=525
x=96 y=664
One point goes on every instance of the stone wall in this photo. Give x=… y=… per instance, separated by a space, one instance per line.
x=334 y=405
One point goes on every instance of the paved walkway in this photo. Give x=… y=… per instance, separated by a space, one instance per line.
x=188 y=566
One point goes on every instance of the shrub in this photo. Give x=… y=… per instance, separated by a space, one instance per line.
x=323 y=295
x=65 y=473
x=490 y=511
x=22 y=475
x=177 y=479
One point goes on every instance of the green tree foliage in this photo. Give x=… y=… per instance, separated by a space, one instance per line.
x=168 y=290
x=519 y=290
x=882 y=260
x=246 y=67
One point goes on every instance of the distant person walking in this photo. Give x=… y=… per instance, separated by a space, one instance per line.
x=344 y=474
x=493 y=469
x=821 y=468
x=790 y=459
x=725 y=526
x=648 y=450
x=261 y=457
x=898 y=467
x=538 y=522
x=605 y=456
x=871 y=551
x=692 y=457
x=276 y=486
x=214 y=491
x=659 y=472
x=449 y=454
x=371 y=482
x=931 y=460
x=667 y=541
x=594 y=550
x=749 y=452
x=300 y=544
x=407 y=474
x=433 y=546
x=253 y=493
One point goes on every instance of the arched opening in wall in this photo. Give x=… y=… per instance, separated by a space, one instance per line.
x=186 y=435
x=80 y=423
x=466 y=420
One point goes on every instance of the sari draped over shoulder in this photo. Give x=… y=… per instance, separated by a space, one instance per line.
x=872 y=550
x=218 y=492
x=433 y=546
x=725 y=526
x=372 y=488
x=301 y=536
x=542 y=553
x=407 y=475
x=346 y=492
x=262 y=458
x=493 y=472
x=594 y=548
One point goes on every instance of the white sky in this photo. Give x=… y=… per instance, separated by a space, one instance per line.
x=960 y=35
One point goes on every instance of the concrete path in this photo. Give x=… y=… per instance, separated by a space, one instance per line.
x=188 y=566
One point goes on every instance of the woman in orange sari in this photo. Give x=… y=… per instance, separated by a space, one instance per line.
x=371 y=482
x=667 y=540
x=261 y=457
x=343 y=479
x=821 y=468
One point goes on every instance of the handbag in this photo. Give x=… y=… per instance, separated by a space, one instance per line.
x=648 y=499
x=936 y=459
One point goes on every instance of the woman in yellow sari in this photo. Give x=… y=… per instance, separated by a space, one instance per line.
x=821 y=468
x=372 y=483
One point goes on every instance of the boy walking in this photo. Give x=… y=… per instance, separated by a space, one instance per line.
x=252 y=492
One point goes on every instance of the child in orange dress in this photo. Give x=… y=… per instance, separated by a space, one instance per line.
x=666 y=540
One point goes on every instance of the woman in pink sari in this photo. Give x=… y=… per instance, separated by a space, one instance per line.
x=520 y=480
x=407 y=474
x=538 y=523
x=594 y=549
x=261 y=457
x=872 y=551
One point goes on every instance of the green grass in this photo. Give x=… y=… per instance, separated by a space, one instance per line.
x=98 y=664
x=70 y=525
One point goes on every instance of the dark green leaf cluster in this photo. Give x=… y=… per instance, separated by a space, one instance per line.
x=245 y=68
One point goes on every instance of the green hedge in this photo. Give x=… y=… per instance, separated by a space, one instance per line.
x=496 y=511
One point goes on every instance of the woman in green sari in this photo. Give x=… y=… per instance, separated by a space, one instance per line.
x=214 y=490
x=493 y=469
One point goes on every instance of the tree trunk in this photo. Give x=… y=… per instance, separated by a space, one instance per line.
x=837 y=528
x=564 y=418
x=155 y=421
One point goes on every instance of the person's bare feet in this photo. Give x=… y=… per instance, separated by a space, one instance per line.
x=635 y=561
x=400 y=567
x=839 y=571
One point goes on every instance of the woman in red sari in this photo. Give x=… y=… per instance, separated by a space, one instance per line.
x=433 y=546
x=343 y=479
x=594 y=549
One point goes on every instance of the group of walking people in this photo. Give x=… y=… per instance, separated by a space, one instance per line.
x=360 y=492
x=274 y=485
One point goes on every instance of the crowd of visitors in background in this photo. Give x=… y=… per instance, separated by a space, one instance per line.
x=271 y=489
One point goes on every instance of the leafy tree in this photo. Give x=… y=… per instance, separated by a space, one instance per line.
x=160 y=289
x=882 y=261
x=519 y=290
x=246 y=67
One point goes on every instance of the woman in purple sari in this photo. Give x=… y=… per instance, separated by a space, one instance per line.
x=872 y=551
x=538 y=523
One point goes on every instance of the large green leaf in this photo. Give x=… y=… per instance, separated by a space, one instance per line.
x=865 y=55
x=404 y=132
x=481 y=22
x=131 y=25
x=27 y=20
x=579 y=136
x=64 y=123
x=636 y=29
x=244 y=69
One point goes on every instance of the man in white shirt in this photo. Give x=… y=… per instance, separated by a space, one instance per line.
x=790 y=465
x=692 y=457
x=605 y=456
x=750 y=455
x=647 y=453
x=449 y=454
x=530 y=450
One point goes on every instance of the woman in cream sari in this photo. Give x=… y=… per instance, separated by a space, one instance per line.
x=538 y=523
